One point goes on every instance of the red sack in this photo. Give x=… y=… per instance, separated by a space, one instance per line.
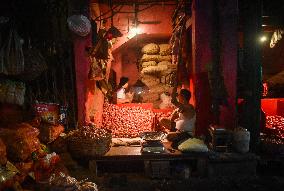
x=25 y=130
x=49 y=133
x=21 y=140
x=21 y=149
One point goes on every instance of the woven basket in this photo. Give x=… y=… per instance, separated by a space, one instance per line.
x=88 y=142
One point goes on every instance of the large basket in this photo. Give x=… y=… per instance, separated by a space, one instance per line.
x=88 y=142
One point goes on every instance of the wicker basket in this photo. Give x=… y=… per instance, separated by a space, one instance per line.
x=88 y=142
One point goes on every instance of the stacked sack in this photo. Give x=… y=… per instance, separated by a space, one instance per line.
x=157 y=59
x=156 y=64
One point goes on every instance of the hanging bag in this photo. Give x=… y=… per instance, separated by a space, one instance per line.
x=11 y=55
x=79 y=24
x=35 y=64
x=95 y=72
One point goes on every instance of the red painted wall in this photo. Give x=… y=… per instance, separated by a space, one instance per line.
x=124 y=64
x=202 y=35
x=202 y=55
x=155 y=13
x=81 y=67
x=229 y=48
x=89 y=99
x=125 y=60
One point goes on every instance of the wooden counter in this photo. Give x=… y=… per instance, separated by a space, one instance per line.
x=133 y=153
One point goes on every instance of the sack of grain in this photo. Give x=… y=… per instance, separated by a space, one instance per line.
x=49 y=132
x=150 y=63
x=164 y=63
x=172 y=66
x=147 y=58
x=165 y=58
x=150 y=80
x=154 y=69
x=193 y=145
x=165 y=49
x=150 y=49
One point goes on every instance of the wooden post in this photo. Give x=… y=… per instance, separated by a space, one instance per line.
x=214 y=40
x=252 y=59
x=81 y=62
x=201 y=57
x=228 y=18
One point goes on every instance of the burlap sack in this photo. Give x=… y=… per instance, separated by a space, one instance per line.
x=154 y=69
x=147 y=58
x=164 y=63
x=150 y=63
x=151 y=49
x=165 y=58
x=172 y=66
x=165 y=49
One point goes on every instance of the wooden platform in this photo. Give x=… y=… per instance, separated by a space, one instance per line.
x=134 y=153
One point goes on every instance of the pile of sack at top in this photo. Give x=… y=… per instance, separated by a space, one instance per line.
x=157 y=59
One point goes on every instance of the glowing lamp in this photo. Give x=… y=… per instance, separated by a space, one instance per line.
x=263 y=39
x=134 y=31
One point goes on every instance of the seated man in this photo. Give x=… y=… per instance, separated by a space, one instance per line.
x=121 y=95
x=182 y=120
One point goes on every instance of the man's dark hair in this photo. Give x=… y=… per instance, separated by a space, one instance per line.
x=123 y=81
x=186 y=94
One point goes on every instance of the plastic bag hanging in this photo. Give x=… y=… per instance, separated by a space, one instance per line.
x=79 y=24
x=35 y=64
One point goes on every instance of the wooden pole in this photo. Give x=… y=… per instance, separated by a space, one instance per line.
x=252 y=59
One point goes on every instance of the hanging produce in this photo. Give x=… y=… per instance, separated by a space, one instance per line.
x=95 y=72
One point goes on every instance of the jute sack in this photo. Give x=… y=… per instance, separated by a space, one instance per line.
x=151 y=49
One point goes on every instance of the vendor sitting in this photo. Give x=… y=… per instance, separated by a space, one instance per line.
x=121 y=95
x=182 y=120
